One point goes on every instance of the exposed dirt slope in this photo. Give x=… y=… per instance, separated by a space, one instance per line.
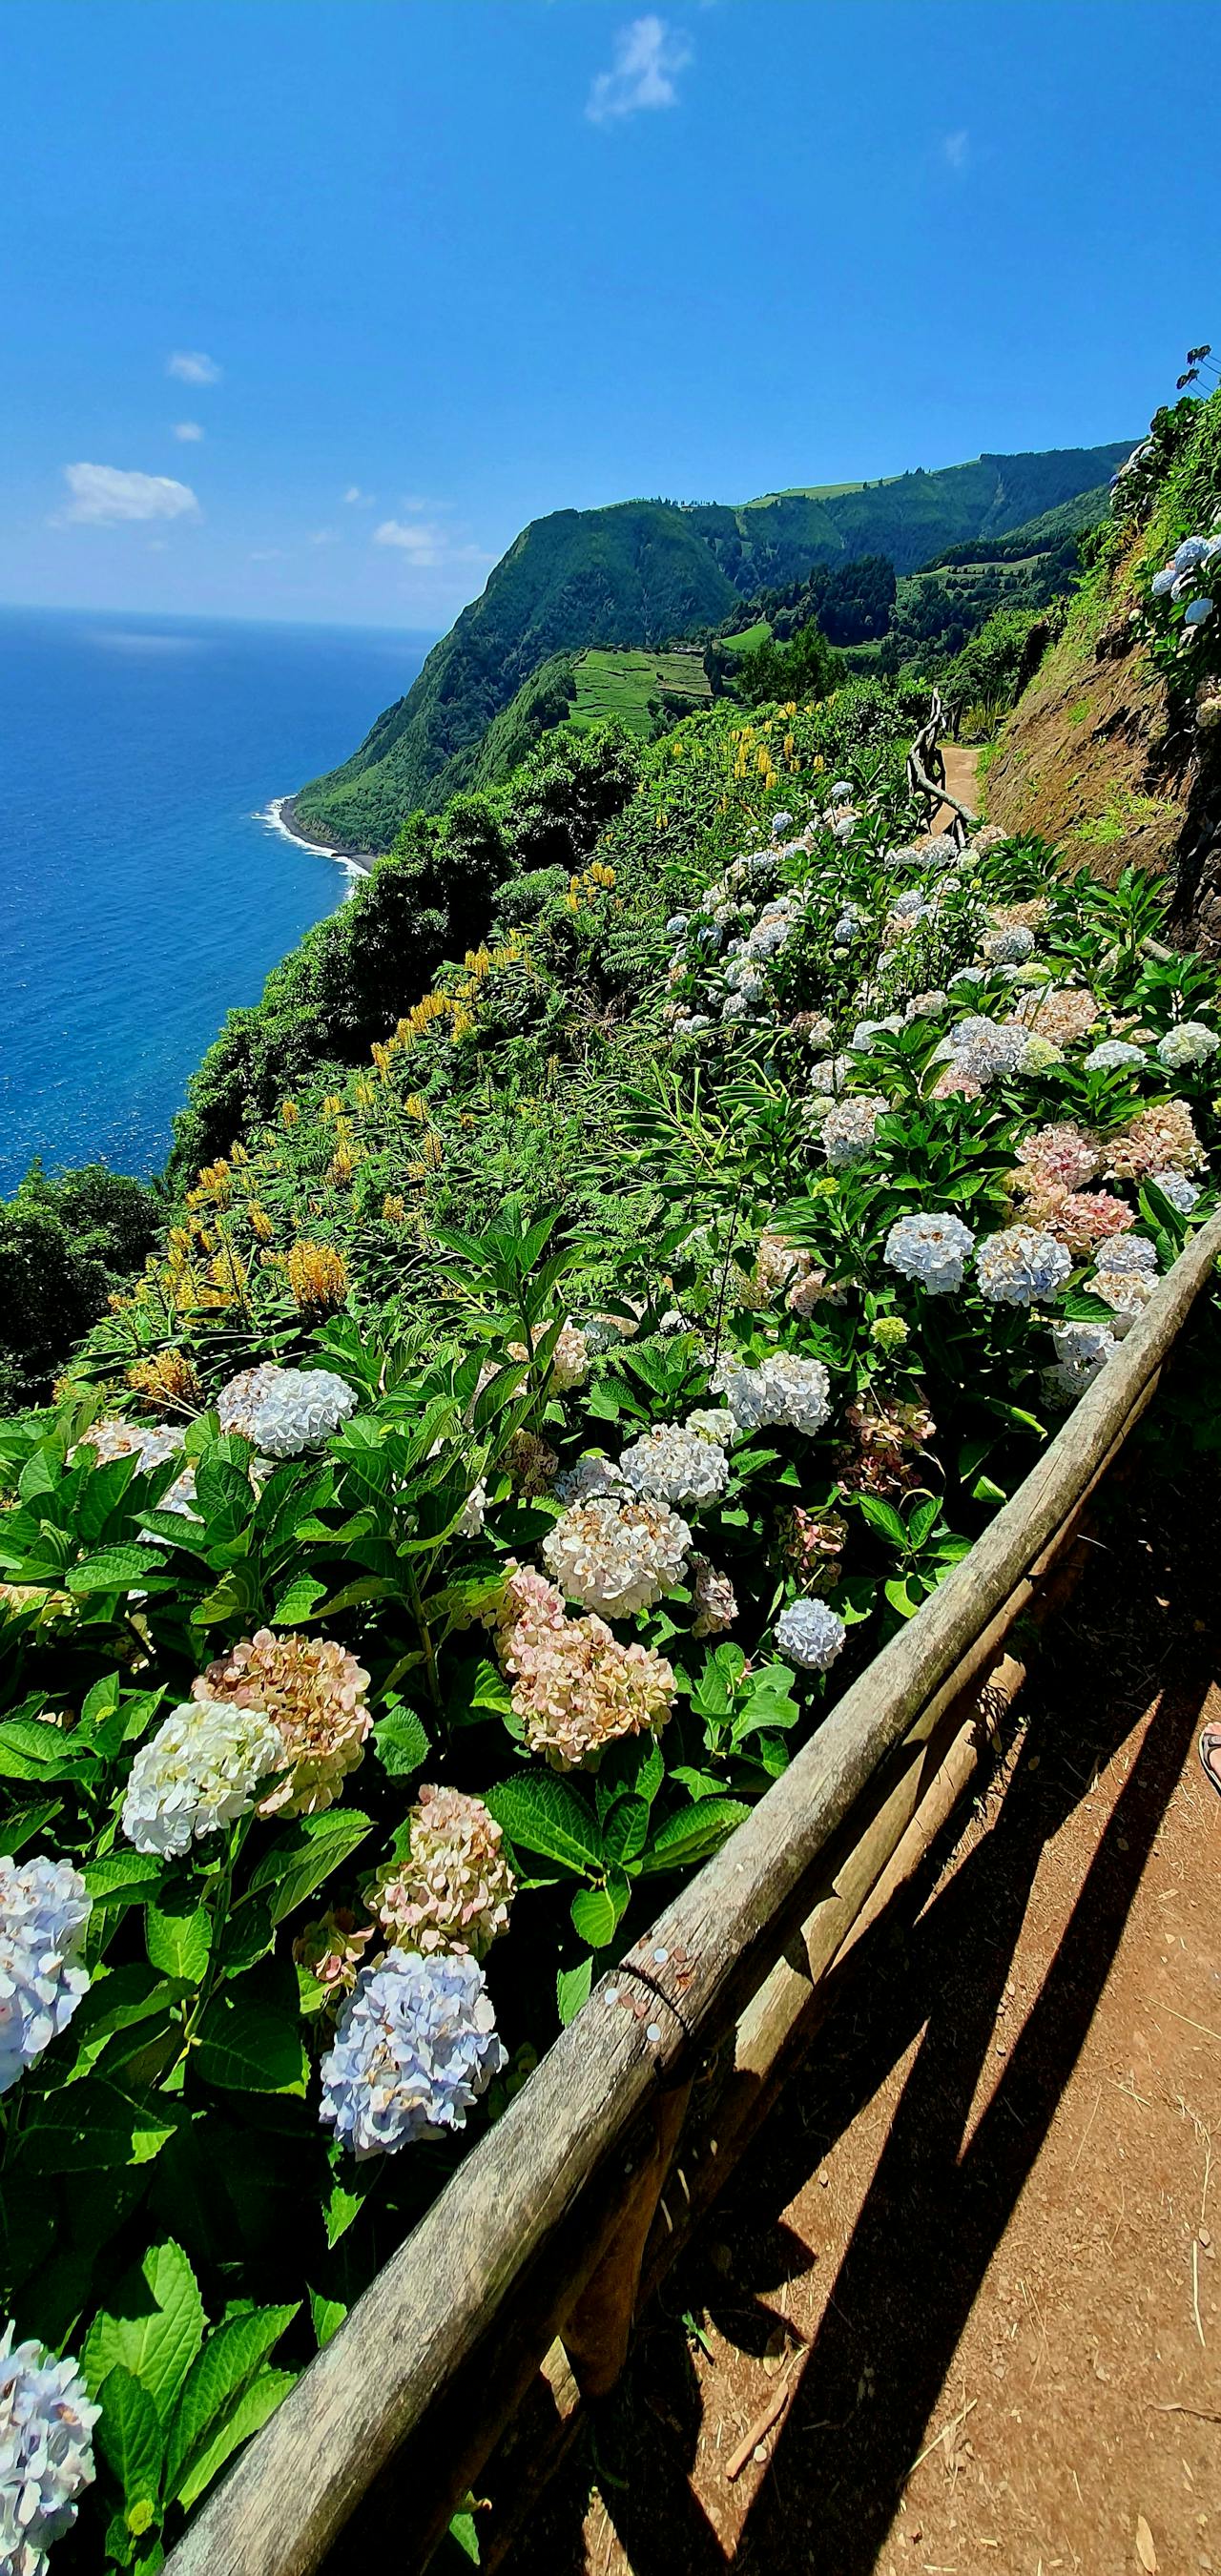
x=1083 y=760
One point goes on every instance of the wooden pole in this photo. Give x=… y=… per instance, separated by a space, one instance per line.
x=440 y=2349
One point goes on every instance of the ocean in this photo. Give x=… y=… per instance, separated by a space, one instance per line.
x=144 y=887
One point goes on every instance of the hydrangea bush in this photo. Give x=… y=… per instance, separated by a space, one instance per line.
x=363 y=1700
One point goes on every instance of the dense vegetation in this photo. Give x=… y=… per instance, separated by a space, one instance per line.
x=66 y=1247
x=645 y=574
x=656 y=1228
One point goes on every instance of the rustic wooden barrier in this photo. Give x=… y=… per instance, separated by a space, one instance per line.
x=541 y=2231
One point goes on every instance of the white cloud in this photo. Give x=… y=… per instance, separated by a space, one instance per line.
x=648 y=59
x=324 y=536
x=426 y=544
x=193 y=367
x=356 y=499
x=105 y=497
x=188 y=431
x=956 y=147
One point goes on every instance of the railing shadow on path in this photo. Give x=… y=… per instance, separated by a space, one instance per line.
x=935 y=2210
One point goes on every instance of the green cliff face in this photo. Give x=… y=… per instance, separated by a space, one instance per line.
x=641 y=574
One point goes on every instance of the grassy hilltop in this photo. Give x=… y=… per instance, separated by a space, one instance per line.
x=641 y=575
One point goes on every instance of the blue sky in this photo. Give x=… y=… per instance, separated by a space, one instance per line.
x=308 y=305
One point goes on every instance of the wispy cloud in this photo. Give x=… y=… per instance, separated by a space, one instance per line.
x=956 y=147
x=188 y=431
x=193 y=367
x=649 y=56
x=426 y=544
x=324 y=536
x=356 y=499
x=103 y=496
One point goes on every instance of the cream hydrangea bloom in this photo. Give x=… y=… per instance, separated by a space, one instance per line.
x=575 y=1689
x=313 y=1693
x=198 y=1772
x=616 y=1554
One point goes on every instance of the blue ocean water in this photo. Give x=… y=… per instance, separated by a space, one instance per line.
x=142 y=890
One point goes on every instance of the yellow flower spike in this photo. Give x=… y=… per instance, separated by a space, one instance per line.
x=432 y=1152
x=332 y=1106
x=261 y=1222
x=317 y=1276
x=394 y=1209
x=290 y=1115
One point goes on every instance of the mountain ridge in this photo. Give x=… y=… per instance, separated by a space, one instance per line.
x=643 y=573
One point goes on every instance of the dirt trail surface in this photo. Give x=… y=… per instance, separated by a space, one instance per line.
x=971 y=2266
x=961 y=778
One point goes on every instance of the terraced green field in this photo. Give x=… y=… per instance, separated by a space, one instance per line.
x=749 y=637
x=621 y=684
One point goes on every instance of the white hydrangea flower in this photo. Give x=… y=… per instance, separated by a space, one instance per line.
x=931 y=1249
x=1176 y=1187
x=1038 y=1055
x=676 y=1464
x=1020 y=1265
x=300 y=1409
x=150 y=1443
x=46 y=2451
x=239 y=1400
x=1082 y=1351
x=831 y=1074
x=713 y=1599
x=617 y=1555
x=811 y=1634
x=590 y=1475
x=1189 y=1043
x=44 y=1908
x=471 y=1523
x=713 y=1422
x=866 y=1030
x=1112 y=1054
x=197 y=1773
x=1126 y=1254
x=849 y=1128
x=791 y=1393
x=415 y=2047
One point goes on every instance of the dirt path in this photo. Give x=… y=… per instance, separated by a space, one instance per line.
x=961 y=778
x=977 y=2241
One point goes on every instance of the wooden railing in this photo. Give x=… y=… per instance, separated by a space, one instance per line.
x=520 y=2282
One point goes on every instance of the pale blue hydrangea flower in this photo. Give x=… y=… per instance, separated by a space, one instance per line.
x=843 y=787
x=1008 y=947
x=1086 y=1345
x=46 y=2451
x=781 y=823
x=44 y=1908
x=678 y=925
x=848 y=926
x=1111 y=1054
x=931 y=1249
x=1198 y=613
x=1189 y=1043
x=911 y=905
x=781 y=1390
x=769 y=935
x=1020 y=1265
x=830 y=1074
x=1176 y=1187
x=1163 y=581
x=299 y=1410
x=1126 y=1254
x=866 y=1030
x=811 y=1634
x=1190 y=553
x=983 y=1049
x=415 y=2047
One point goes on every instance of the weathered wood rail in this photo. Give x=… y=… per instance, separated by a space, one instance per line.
x=519 y=2284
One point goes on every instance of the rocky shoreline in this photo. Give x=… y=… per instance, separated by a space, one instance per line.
x=283 y=812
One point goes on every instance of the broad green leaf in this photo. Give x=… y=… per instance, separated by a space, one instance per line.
x=93 y=2125
x=465 y=2536
x=572 y=1989
x=123 y=1877
x=129 y=2433
x=901 y=1597
x=540 y=1813
x=328 y=2316
x=232 y=2357
x=625 y=1830
x=153 y=2331
x=306 y=1852
x=247 y=2415
x=178 y=1936
x=402 y=1744
x=693 y=1834
x=298 y=1602
x=22 y=1824
x=127 y=1999
x=248 y=2047
x=32 y=1749
x=595 y=1916
x=885 y=1519
x=116 y=1569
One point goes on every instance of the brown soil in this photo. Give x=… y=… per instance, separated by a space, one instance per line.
x=961 y=778
x=1082 y=750
x=974 y=2251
